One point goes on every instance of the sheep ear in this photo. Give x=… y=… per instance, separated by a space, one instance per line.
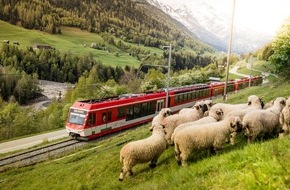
x=262 y=103
x=283 y=103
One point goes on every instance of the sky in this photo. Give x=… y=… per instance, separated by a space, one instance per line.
x=265 y=16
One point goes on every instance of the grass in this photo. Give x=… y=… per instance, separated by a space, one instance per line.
x=262 y=165
x=71 y=40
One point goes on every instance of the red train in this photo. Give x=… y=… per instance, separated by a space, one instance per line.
x=90 y=119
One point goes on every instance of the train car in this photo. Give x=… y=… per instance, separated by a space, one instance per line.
x=217 y=88
x=248 y=81
x=186 y=96
x=90 y=119
x=93 y=118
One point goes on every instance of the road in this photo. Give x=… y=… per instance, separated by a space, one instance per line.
x=31 y=141
x=51 y=90
x=264 y=74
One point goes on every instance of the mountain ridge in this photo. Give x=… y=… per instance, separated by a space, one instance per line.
x=212 y=26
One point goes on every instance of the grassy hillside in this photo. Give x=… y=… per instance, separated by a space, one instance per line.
x=72 y=39
x=262 y=165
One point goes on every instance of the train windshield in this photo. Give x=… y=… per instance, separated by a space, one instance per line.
x=77 y=116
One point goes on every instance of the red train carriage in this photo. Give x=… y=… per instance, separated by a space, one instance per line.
x=93 y=118
x=248 y=81
x=186 y=96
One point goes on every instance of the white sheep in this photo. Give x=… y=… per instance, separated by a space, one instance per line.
x=204 y=136
x=227 y=108
x=261 y=122
x=172 y=121
x=201 y=104
x=268 y=104
x=284 y=119
x=215 y=115
x=144 y=150
x=164 y=112
x=254 y=103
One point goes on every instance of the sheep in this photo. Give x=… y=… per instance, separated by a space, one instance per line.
x=164 y=112
x=227 y=108
x=200 y=104
x=284 y=119
x=254 y=103
x=216 y=115
x=144 y=150
x=261 y=122
x=268 y=104
x=172 y=121
x=204 y=136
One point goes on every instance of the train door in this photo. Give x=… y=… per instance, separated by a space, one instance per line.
x=160 y=105
x=106 y=118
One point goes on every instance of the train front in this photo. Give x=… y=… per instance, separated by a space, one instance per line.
x=76 y=120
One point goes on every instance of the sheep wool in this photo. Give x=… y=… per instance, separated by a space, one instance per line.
x=172 y=121
x=164 y=112
x=142 y=151
x=230 y=107
x=284 y=119
x=204 y=136
x=216 y=115
x=260 y=122
x=254 y=103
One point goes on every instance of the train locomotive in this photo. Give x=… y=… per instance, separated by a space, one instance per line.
x=89 y=119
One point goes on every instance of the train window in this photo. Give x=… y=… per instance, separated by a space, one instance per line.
x=129 y=113
x=104 y=117
x=160 y=105
x=91 y=119
x=193 y=95
x=190 y=96
x=144 y=109
x=109 y=116
x=121 y=112
x=136 y=110
x=185 y=97
x=152 y=107
x=176 y=99
x=77 y=116
x=180 y=98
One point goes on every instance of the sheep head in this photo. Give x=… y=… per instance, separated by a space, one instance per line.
x=157 y=127
x=236 y=124
x=166 y=112
x=217 y=113
x=280 y=101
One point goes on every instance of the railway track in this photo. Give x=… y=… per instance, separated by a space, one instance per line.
x=39 y=154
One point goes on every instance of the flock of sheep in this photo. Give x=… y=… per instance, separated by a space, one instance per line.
x=207 y=126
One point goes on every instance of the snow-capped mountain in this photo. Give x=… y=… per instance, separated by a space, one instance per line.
x=211 y=25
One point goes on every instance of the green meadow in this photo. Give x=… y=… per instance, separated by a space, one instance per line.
x=71 y=40
x=262 y=165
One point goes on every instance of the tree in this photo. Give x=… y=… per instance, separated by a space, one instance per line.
x=281 y=47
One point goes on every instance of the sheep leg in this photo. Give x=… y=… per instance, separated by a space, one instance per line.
x=251 y=139
x=153 y=163
x=130 y=172
x=122 y=174
x=212 y=150
x=184 y=156
x=233 y=138
x=177 y=154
